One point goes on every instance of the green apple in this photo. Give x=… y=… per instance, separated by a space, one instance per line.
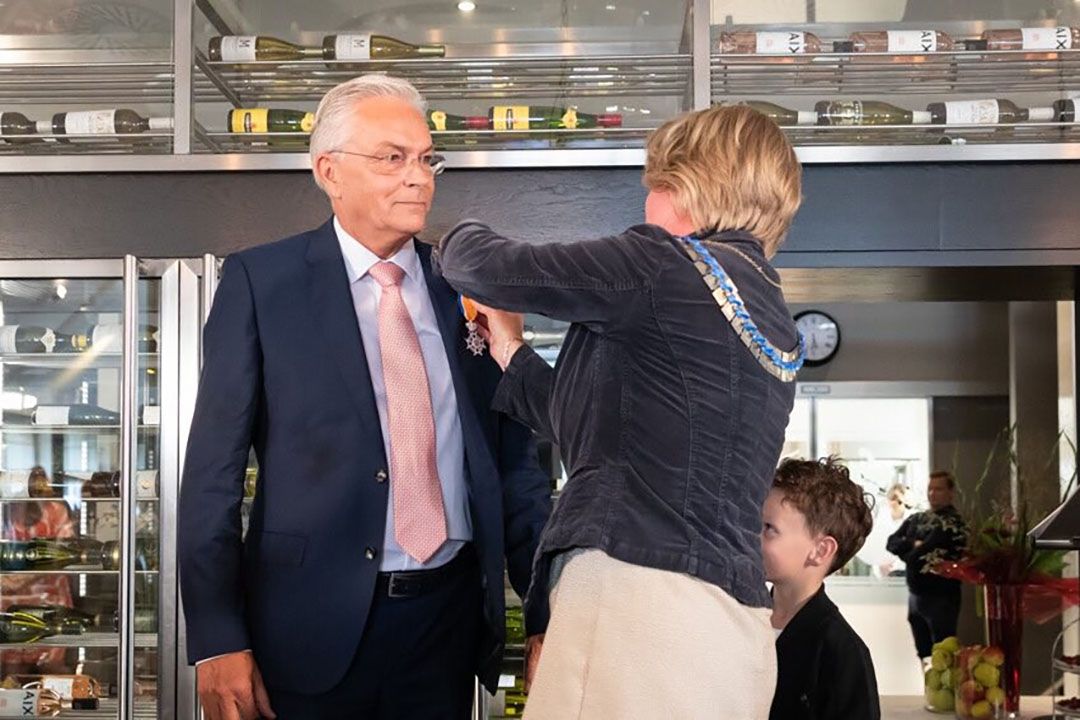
x=942 y=700
x=948 y=678
x=981 y=709
x=995 y=696
x=950 y=644
x=933 y=679
x=940 y=660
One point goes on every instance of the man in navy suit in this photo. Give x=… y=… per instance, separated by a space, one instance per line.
x=390 y=498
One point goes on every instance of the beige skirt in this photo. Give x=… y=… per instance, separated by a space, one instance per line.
x=627 y=642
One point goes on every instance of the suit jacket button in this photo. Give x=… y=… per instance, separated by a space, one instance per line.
x=380 y=476
x=369 y=553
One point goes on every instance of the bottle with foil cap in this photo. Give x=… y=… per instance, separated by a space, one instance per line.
x=438 y=120
x=991 y=111
x=103 y=122
x=270 y=120
x=526 y=117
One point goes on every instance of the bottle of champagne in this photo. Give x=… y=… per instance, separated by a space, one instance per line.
x=899 y=42
x=69 y=619
x=439 y=120
x=15 y=126
x=1034 y=38
x=1065 y=110
x=48 y=554
x=782 y=116
x=867 y=112
x=106 y=484
x=32 y=483
x=266 y=120
x=109 y=338
x=258 y=48
x=26 y=339
x=22 y=628
x=525 y=117
x=146 y=554
x=102 y=122
x=366 y=46
x=29 y=702
x=747 y=42
x=985 y=112
x=74 y=415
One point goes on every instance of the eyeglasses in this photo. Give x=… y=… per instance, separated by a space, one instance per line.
x=394 y=163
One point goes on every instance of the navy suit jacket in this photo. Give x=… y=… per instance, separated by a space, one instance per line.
x=285 y=372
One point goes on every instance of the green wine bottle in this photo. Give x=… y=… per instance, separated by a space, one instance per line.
x=439 y=120
x=264 y=120
x=26 y=339
x=525 y=117
x=257 y=48
x=103 y=122
x=365 y=46
x=48 y=554
x=14 y=127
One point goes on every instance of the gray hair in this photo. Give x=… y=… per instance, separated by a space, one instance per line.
x=331 y=119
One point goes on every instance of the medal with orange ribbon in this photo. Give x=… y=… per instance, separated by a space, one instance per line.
x=473 y=341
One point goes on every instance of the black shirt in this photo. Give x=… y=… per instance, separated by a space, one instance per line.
x=943 y=535
x=824 y=669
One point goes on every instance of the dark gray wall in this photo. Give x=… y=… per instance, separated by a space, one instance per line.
x=856 y=215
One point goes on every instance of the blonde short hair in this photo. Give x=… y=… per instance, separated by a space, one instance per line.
x=728 y=168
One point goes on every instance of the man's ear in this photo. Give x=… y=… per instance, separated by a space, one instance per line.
x=325 y=170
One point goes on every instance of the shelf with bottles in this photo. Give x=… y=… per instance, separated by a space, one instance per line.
x=86 y=640
x=837 y=120
x=776 y=61
x=107 y=130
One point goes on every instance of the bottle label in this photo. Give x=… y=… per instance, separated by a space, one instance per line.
x=62 y=686
x=781 y=43
x=15 y=484
x=238 y=48
x=1055 y=38
x=912 y=41
x=352 y=47
x=250 y=121
x=18 y=703
x=510 y=117
x=438 y=119
x=90 y=122
x=971 y=112
x=52 y=415
x=146 y=483
x=307 y=124
x=7 y=338
x=569 y=119
x=106 y=338
x=151 y=415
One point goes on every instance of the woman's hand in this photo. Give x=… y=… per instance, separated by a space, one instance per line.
x=502 y=330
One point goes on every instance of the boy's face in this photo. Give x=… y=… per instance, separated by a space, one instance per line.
x=789 y=550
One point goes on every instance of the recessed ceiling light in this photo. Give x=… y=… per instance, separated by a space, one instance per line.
x=466 y=6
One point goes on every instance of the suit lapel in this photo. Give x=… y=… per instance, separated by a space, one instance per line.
x=444 y=300
x=333 y=312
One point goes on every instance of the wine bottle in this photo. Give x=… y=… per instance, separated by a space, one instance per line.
x=525 y=117
x=29 y=702
x=867 y=112
x=146 y=554
x=32 y=483
x=366 y=46
x=439 y=120
x=1065 y=110
x=22 y=628
x=746 y=42
x=264 y=120
x=985 y=112
x=899 y=42
x=48 y=554
x=109 y=338
x=257 y=48
x=60 y=616
x=102 y=122
x=106 y=484
x=70 y=688
x=15 y=126
x=1033 y=38
x=782 y=116
x=26 y=339
x=74 y=415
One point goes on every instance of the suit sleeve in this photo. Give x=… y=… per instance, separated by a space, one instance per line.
x=212 y=487
x=526 y=508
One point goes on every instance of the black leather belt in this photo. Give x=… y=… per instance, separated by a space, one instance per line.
x=412 y=583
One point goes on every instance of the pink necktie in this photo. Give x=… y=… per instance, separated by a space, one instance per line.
x=419 y=516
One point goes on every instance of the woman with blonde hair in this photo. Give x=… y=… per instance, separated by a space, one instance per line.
x=669 y=402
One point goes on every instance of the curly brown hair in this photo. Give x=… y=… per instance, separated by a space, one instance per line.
x=832 y=503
